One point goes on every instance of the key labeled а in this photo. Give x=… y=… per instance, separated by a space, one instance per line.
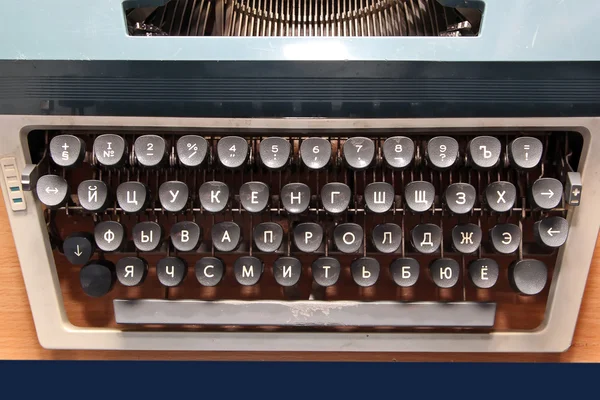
x=226 y=236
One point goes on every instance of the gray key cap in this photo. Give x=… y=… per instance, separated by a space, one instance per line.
x=326 y=271
x=444 y=272
x=268 y=236
x=484 y=152
x=442 y=152
x=348 y=237
x=192 y=150
x=79 y=248
x=387 y=237
x=419 y=196
x=466 y=238
x=109 y=236
x=358 y=153
x=248 y=270
x=365 y=271
x=426 y=238
x=546 y=193
x=67 y=150
x=500 y=196
x=131 y=271
x=528 y=277
x=110 y=150
x=232 y=151
x=254 y=196
x=209 y=271
x=214 y=196
x=287 y=271
x=484 y=272
x=52 y=191
x=274 y=152
x=97 y=278
x=315 y=153
x=93 y=195
x=335 y=197
x=379 y=197
x=295 y=197
x=173 y=196
x=551 y=231
x=132 y=196
x=150 y=150
x=405 y=271
x=226 y=236
x=505 y=238
x=147 y=235
x=171 y=271
x=398 y=152
x=460 y=198
x=525 y=152
x=573 y=189
x=308 y=237
x=185 y=235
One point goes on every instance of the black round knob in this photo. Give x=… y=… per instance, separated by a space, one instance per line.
x=97 y=278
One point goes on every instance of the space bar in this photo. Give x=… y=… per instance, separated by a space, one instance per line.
x=305 y=313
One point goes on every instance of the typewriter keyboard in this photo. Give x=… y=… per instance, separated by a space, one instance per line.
x=372 y=230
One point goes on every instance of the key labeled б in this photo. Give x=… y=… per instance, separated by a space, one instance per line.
x=405 y=271
x=287 y=271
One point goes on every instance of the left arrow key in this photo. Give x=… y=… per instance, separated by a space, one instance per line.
x=52 y=190
x=79 y=247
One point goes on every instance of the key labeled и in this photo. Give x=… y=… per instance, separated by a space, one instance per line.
x=287 y=271
x=551 y=232
x=546 y=193
x=67 y=151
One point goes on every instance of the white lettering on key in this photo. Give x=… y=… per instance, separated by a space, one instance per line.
x=427 y=239
x=93 y=194
x=378 y=197
x=507 y=238
x=248 y=272
x=467 y=238
x=326 y=268
x=131 y=199
x=225 y=237
x=501 y=196
x=185 y=236
x=484 y=273
x=486 y=153
x=333 y=194
x=307 y=236
x=268 y=234
x=352 y=238
x=254 y=198
x=206 y=271
x=420 y=197
x=146 y=238
x=170 y=270
x=174 y=195
x=214 y=197
x=406 y=272
x=462 y=198
x=299 y=197
x=446 y=273
x=387 y=235
x=287 y=271
x=129 y=271
x=366 y=274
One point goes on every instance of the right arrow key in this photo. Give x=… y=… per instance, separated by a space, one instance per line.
x=551 y=232
x=546 y=193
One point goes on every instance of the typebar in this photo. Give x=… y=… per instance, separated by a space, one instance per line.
x=305 y=313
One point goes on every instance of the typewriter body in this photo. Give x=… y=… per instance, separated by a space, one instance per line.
x=290 y=175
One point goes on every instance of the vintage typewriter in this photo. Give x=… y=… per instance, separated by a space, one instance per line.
x=302 y=175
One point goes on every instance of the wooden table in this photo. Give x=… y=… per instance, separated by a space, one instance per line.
x=18 y=338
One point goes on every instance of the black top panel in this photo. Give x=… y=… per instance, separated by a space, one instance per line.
x=300 y=89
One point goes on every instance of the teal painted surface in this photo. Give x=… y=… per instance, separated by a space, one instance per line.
x=512 y=30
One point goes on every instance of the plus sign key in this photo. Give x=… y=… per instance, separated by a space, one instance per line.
x=67 y=150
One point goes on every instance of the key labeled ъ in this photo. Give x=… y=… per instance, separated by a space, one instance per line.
x=484 y=152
